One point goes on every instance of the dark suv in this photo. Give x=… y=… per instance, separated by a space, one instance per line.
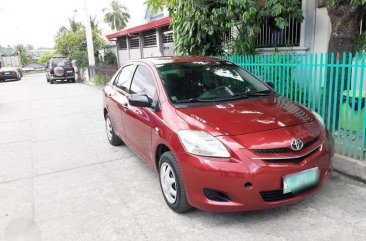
x=60 y=68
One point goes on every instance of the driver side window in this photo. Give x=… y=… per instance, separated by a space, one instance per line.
x=123 y=80
x=143 y=82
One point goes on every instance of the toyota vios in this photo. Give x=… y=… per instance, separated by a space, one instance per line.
x=219 y=138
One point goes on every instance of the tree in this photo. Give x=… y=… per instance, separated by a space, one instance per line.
x=73 y=39
x=204 y=27
x=117 y=16
x=45 y=57
x=345 y=17
x=24 y=57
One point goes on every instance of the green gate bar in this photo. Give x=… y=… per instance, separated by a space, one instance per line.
x=330 y=84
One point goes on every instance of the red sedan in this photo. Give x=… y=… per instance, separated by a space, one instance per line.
x=219 y=138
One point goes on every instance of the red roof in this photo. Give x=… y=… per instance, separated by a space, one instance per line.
x=146 y=26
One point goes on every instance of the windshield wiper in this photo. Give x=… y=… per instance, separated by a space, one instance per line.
x=259 y=93
x=219 y=98
x=191 y=100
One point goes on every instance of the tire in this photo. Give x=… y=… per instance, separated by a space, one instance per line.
x=72 y=80
x=179 y=204
x=52 y=81
x=111 y=136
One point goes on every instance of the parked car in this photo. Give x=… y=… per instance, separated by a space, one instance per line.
x=219 y=138
x=60 y=68
x=8 y=73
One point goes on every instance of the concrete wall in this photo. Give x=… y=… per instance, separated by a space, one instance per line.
x=123 y=56
x=168 y=49
x=322 y=31
x=151 y=52
x=135 y=54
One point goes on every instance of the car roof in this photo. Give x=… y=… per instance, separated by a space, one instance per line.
x=178 y=59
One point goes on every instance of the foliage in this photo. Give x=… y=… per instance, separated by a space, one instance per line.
x=158 y=5
x=361 y=42
x=110 y=58
x=117 y=16
x=97 y=80
x=202 y=27
x=45 y=57
x=24 y=57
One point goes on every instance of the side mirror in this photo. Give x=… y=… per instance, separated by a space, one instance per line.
x=109 y=91
x=139 y=100
x=271 y=84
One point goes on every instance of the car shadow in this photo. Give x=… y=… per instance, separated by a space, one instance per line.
x=9 y=80
x=62 y=82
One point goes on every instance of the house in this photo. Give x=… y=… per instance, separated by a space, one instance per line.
x=9 y=57
x=153 y=37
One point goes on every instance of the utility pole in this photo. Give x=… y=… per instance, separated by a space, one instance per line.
x=89 y=41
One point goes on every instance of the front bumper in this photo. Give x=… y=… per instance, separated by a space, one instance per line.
x=232 y=178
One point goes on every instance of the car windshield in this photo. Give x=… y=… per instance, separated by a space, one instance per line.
x=209 y=81
x=61 y=62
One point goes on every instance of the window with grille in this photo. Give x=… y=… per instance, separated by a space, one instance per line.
x=168 y=37
x=150 y=39
x=135 y=42
x=272 y=36
x=122 y=43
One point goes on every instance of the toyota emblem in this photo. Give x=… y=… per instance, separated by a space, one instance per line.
x=297 y=145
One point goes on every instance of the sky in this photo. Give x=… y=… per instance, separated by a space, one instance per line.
x=36 y=22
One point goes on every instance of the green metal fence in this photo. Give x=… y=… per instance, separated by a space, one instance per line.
x=332 y=85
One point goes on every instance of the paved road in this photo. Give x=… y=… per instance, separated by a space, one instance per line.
x=59 y=174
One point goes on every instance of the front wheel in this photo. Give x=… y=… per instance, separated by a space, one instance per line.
x=171 y=183
x=112 y=137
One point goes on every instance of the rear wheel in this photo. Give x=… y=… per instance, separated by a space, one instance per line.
x=72 y=80
x=112 y=137
x=171 y=183
x=52 y=81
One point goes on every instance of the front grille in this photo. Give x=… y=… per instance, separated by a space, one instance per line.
x=285 y=149
x=291 y=160
x=278 y=195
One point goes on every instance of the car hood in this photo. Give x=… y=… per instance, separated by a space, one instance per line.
x=246 y=116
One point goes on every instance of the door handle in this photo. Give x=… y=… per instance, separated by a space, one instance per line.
x=125 y=106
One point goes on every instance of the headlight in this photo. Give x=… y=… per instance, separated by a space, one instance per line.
x=202 y=144
x=319 y=118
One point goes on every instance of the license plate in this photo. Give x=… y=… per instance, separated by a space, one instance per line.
x=299 y=181
x=7 y=72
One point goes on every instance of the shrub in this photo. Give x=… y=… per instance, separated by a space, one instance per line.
x=97 y=80
x=110 y=58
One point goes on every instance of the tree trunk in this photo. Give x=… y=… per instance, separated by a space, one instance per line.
x=345 y=22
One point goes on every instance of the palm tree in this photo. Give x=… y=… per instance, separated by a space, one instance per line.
x=74 y=25
x=117 y=16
